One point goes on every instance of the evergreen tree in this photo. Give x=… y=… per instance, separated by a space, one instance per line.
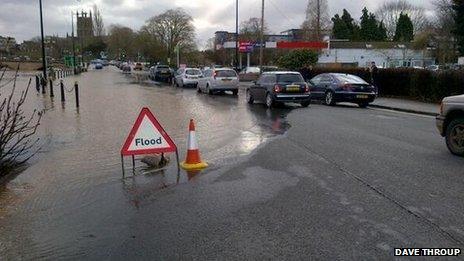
x=458 y=8
x=340 y=29
x=369 y=27
x=404 y=29
x=381 y=32
x=344 y=27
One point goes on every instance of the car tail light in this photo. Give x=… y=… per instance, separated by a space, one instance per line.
x=307 y=88
x=215 y=75
x=277 y=88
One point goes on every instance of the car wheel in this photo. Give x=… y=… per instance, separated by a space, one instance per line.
x=305 y=104
x=198 y=88
x=329 y=98
x=363 y=104
x=208 y=90
x=455 y=136
x=269 y=100
x=235 y=92
x=177 y=83
x=249 y=97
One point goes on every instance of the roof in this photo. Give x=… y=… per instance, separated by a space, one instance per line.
x=281 y=72
x=368 y=45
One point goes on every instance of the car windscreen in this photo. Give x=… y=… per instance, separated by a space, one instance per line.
x=349 y=78
x=289 y=78
x=193 y=72
x=226 y=73
x=162 y=67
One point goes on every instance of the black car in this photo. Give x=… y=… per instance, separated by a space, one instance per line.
x=339 y=87
x=161 y=73
x=279 y=87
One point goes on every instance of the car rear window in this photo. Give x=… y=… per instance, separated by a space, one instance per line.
x=193 y=72
x=289 y=77
x=226 y=73
x=349 y=78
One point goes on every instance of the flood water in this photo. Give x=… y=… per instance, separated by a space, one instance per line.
x=73 y=190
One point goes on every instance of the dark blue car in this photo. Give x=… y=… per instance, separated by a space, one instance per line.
x=339 y=87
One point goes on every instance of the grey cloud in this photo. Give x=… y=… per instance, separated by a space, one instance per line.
x=20 y=18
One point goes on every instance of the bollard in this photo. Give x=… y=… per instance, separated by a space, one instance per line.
x=76 y=89
x=44 y=85
x=63 y=99
x=51 y=89
x=37 y=83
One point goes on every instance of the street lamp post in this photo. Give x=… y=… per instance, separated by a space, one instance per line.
x=236 y=34
x=73 y=42
x=261 y=37
x=44 y=62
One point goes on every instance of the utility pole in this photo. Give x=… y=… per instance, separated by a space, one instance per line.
x=318 y=22
x=261 y=47
x=236 y=34
x=44 y=62
x=73 y=42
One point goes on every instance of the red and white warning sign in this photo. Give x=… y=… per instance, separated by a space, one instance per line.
x=147 y=137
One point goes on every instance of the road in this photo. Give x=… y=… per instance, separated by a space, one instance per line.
x=332 y=183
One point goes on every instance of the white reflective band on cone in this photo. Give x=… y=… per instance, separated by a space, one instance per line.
x=192 y=141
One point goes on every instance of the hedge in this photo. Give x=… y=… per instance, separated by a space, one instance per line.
x=417 y=84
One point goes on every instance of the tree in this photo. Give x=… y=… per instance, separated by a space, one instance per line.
x=458 y=30
x=369 y=27
x=120 y=40
x=390 y=12
x=344 y=27
x=404 y=29
x=171 y=28
x=317 y=19
x=297 y=59
x=98 y=25
x=381 y=34
x=17 y=129
x=250 y=30
x=340 y=29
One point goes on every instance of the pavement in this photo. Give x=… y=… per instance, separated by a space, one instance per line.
x=404 y=105
x=317 y=183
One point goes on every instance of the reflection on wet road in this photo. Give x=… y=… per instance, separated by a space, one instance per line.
x=74 y=188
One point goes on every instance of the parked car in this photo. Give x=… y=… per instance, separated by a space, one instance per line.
x=126 y=68
x=279 y=87
x=138 y=67
x=161 y=73
x=98 y=66
x=340 y=87
x=249 y=74
x=214 y=80
x=450 y=123
x=187 y=77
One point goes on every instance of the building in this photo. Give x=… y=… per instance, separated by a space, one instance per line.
x=84 y=28
x=384 y=54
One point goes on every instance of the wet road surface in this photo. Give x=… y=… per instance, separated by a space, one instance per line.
x=333 y=183
x=73 y=187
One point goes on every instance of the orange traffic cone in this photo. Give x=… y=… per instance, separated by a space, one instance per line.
x=193 y=160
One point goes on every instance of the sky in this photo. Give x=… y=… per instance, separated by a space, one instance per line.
x=20 y=18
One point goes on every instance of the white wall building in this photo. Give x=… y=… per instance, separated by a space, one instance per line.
x=384 y=54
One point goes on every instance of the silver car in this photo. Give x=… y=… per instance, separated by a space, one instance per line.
x=186 y=77
x=218 y=80
x=450 y=123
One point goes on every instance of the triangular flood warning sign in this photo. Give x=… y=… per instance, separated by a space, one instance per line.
x=147 y=137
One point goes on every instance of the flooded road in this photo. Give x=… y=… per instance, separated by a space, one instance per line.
x=71 y=199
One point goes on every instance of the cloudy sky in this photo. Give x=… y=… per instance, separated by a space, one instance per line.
x=20 y=18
